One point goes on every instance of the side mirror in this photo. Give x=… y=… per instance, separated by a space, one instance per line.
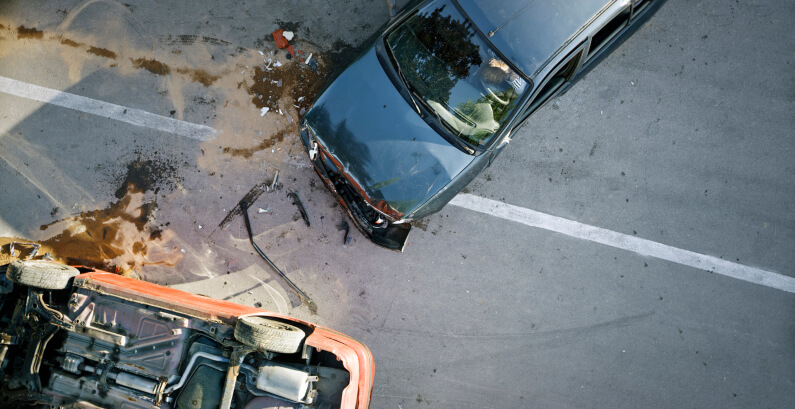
x=504 y=142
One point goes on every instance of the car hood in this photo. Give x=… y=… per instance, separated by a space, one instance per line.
x=381 y=142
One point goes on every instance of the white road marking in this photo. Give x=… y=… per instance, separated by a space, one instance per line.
x=625 y=242
x=106 y=109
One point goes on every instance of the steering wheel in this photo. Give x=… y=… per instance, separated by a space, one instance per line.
x=495 y=97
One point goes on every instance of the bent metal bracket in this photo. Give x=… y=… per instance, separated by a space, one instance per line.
x=244 y=208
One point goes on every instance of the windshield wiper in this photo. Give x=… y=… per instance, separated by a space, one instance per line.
x=409 y=87
x=455 y=138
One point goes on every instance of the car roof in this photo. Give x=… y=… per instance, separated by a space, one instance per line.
x=529 y=32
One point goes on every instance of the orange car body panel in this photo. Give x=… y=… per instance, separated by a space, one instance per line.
x=355 y=356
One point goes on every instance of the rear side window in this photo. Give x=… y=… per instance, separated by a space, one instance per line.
x=608 y=31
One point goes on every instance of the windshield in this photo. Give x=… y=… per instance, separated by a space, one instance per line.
x=455 y=73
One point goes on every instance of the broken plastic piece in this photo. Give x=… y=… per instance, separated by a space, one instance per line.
x=264 y=111
x=312 y=63
x=347 y=228
x=300 y=205
x=278 y=37
x=282 y=41
x=275 y=179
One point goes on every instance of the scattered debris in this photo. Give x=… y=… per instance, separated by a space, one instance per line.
x=244 y=208
x=264 y=111
x=300 y=205
x=346 y=239
x=261 y=210
x=275 y=179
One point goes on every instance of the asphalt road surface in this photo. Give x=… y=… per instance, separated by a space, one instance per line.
x=632 y=247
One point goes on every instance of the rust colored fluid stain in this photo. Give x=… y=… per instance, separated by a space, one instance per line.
x=102 y=52
x=114 y=239
x=24 y=32
x=153 y=66
x=200 y=76
x=70 y=43
x=95 y=237
x=139 y=247
x=120 y=237
x=265 y=144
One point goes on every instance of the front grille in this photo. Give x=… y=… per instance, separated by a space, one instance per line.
x=365 y=216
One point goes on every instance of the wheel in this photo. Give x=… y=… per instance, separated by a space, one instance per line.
x=267 y=334
x=41 y=274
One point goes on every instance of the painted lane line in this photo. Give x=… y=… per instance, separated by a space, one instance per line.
x=625 y=242
x=106 y=109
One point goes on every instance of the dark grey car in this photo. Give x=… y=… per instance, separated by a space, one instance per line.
x=435 y=98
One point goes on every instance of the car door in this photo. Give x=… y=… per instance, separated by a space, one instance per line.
x=553 y=84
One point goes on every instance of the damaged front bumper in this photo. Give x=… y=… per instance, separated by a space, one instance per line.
x=381 y=229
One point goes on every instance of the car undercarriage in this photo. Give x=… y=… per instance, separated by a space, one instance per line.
x=67 y=341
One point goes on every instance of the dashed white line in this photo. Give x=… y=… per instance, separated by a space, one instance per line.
x=626 y=242
x=106 y=109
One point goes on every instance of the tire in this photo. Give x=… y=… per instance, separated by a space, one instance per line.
x=41 y=274
x=267 y=334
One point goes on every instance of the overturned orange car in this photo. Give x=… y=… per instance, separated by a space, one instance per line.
x=80 y=337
